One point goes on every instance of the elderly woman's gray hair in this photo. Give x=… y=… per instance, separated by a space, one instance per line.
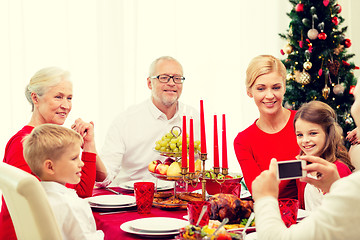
x=43 y=80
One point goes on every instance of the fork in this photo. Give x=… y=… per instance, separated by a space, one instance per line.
x=113 y=191
x=105 y=213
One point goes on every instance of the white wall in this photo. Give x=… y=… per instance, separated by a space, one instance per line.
x=108 y=46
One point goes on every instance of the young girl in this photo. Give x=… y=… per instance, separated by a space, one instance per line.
x=318 y=134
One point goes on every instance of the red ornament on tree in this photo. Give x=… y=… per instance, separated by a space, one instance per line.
x=337 y=8
x=322 y=36
x=335 y=21
x=326 y=3
x=347 y=43
x=299 y=7
x=352 y=88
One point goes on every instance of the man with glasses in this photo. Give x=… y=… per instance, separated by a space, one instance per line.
x=129 y=145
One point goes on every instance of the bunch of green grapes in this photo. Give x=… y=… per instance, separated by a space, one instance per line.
x=172 y=142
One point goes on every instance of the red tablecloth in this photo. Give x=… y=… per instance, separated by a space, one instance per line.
x=110 y=224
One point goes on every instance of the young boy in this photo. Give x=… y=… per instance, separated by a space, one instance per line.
x=52 y=153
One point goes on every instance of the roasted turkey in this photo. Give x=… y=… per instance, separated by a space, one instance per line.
x=230 y=206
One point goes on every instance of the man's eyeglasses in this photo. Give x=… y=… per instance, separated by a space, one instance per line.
x=163 y=78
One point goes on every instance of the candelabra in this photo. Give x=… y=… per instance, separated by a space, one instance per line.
x=194 y=177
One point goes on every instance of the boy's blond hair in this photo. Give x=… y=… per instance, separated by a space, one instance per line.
x=47 y=141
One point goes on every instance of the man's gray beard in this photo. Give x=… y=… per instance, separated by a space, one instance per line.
x=166 y=103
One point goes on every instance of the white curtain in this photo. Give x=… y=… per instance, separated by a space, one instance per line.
x=108 y=45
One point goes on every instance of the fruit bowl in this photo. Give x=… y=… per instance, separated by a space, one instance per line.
x=170 y=144
x=213 y=187
x=168 y=154
x=175 y=154
x=166 y=177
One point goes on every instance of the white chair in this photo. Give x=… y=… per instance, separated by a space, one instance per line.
x=28 y=205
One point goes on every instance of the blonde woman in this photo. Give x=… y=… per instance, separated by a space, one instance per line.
x=272 y=134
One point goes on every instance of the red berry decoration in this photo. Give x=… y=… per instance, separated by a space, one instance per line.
x=320 y=72
x=326 y=3
x=301 y=44
x=345 y=63
x=347 y=43
x=337 y=8
x=299 y=7
x=322 y=36
x=335 y=21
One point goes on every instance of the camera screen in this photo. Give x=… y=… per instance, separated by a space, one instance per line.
x=290 y=169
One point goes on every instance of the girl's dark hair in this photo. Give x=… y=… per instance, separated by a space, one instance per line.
x=321 y=113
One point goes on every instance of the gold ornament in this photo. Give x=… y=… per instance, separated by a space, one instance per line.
x=307 y=65
x=288 y=48
x=339 y=89
x=290 y=76
x=349 y=120
x=325 y=92
x=313 y=34
x=302 y=77
x=339 y=49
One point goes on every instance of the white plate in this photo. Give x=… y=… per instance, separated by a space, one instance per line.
x=126 y=227
x=238 y=230
x=302 y=214
x=158 y=224
x=102 y=207
x=251 y=236
x=161 y=185
x=112 y=200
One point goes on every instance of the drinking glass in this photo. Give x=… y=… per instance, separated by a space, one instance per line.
x=144 y=195
x=194 y=209
x=288 y=210
x=231 y=188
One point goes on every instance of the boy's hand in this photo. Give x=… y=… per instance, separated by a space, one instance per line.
x=328 y=172
x=266 y=184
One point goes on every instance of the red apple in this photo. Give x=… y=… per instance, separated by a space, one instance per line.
x=169 y=161
x=153 y=164
x=161 y=169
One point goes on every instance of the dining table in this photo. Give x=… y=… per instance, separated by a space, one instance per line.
x=110 y=223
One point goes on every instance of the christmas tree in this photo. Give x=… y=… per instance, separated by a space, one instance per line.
x=317 y=62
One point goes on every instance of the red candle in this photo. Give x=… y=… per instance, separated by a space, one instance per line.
x=202 y=128
x=191 y=147
x=216 y=144
x=184 y=145
x=224 y=147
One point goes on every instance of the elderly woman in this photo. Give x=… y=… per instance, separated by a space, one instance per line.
x=50 y=95
x=272 y=135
